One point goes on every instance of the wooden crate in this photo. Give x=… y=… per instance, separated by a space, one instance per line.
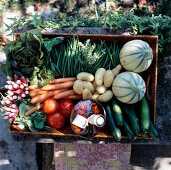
x=150 y=77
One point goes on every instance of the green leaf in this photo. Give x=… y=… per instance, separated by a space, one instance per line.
x=39 y=124
x=49 y=44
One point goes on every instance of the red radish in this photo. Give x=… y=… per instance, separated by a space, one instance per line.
x=15 y=97
x=18 y=81
x=20 y=91
x=26 y=92
x=9 y=82
x=23 y=95
x=16 y=86
x=6 y=86
x=10 y=98
x=13 y=106
x=19 y=97
x=10 y=87
x=10 y=93
x=23 y=80
x=21 y=86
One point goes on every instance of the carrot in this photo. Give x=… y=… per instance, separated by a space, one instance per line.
x=32 y=87
x=62 y=80
x=58 y=86
x=42 y=97
x=64 y=94
x=33 y=109
x=76 y=96
x=37 y=92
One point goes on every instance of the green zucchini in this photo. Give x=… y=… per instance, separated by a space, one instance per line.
x=144 y=114
x=128 y=130
x=114 y=130
x=153 y=131
x=117 y=112
x=129 y=111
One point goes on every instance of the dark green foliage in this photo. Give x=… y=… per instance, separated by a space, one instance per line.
x=72 y=57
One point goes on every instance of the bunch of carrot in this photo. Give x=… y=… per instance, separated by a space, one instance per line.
x=57 y=88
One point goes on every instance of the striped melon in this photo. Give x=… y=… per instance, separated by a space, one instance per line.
x=136 y=56
x=129 y=87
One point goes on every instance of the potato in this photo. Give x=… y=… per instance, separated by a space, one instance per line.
x=78 y=86
x=88 y=85
x=95 y=96
x=99 y=76
x=101 y=89
x=116 y=70
x=106 y=96
x=87 y=94
x=84 y=76
x=108 y=78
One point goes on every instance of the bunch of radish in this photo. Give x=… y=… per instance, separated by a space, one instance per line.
x=17 y=88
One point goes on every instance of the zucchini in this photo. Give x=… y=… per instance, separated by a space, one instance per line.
x=114 y=130
x=153 y=131
x=144 y=114
x=117 y=112
x=129 y=111
x=128 y=130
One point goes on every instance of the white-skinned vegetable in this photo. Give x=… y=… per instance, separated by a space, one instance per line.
x=88 y=85
x=95 y=96
x=107 y=96
x=99 y=76
x=108 y=78
x=101 y=89
x=84 y=76
x=87 y=94
x=117 y=70
x=78 y=86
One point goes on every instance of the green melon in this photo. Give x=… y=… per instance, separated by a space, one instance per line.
x=136 y=56
x=128 y=87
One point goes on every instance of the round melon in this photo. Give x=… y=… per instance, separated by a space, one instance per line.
x=136 y=56
x=128 y=87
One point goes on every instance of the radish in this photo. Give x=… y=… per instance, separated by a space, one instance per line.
x=18 y=82
x=15 y=77
x=13 y=106
x=20 y=91
x=10 y=87
x=23 y=95
x=21 y=86
x=15 y=97
x=23 y=80
x=26 y=92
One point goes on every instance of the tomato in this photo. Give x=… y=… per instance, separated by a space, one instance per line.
x=56 y=120
x=50 y=106
x=65 y=107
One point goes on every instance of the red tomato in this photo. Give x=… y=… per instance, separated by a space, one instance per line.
x=50 y=106
x=56 y=120
x=65 y=107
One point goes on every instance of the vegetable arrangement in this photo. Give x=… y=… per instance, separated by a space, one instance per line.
x=66 y=71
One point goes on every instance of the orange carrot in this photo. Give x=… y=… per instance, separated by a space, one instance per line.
x=58 y=86
x=64 y=94
x=42 y=97
x=37 y=92
x=33 y=109
x=62 y=80
x=76 y=96
x=32 y=87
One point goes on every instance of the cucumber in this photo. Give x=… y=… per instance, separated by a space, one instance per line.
x=129 y=110
x=128 y=130
x=117 y=112
x=153 y=131
x=114 y=130
x=144 y=114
